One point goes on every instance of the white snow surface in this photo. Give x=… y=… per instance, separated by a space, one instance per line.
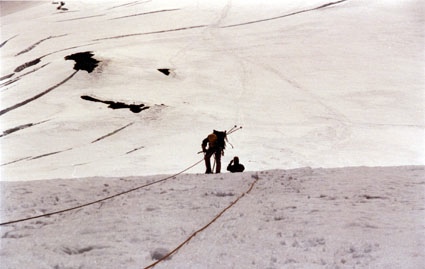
x=300 y=218
x=337 y=86
x=330 y=98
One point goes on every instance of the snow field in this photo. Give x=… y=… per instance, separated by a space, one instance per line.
x=301 y=218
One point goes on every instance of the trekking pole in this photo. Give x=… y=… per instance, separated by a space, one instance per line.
x=234 y=130
x=231 y=129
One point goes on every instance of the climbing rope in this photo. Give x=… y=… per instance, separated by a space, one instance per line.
x=233 y=129
x=103 y=199
x=204 y=227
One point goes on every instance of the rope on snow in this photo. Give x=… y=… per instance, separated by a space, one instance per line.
x=103 y=199
x=204 y=227
x=233 y=129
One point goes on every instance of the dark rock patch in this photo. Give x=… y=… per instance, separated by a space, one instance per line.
x=165 y=71
x=83 y=61
x=135 y=108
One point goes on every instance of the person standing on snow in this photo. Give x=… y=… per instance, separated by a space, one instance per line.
x=216 y=145
x=234 y=166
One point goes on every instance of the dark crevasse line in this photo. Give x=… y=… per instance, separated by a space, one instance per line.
x=38 y=60
x=49 y=154
x=38 y=43
x=19 y=77
x=7 y=83
x=15 y=161
x=133 y=150
x=112 y=133
x=83 y=18
x=130 y=4
x=74 y=47
x=27 y=64
x=36 y=157
x=154 y=32
x=123 y=5
x=20 y=127
x=4 y=111
x=145 y=13
x=7 y=76
x=4 y=42
x=286 y=15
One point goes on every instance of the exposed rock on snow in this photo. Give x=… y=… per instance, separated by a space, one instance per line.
x=83 y=61
x=117 y=105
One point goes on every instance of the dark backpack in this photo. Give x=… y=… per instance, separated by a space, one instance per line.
x=221 y=137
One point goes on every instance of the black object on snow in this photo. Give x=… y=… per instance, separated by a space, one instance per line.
x=165 y=71
x=83 y=61
x=117 y=105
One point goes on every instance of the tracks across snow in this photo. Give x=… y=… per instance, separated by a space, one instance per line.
x=286 y=15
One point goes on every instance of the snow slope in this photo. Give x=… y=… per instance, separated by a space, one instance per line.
x=312 y=85
x=300 y=218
